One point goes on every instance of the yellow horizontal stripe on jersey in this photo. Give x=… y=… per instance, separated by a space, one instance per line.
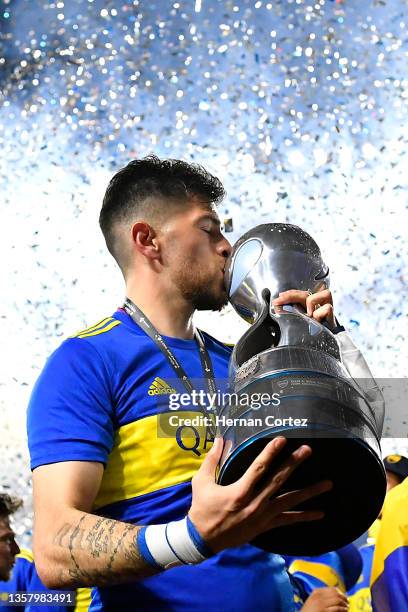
x=26 y=554
x=93 y=327
x=100 y=331
x=150 y=454
x=322 y=572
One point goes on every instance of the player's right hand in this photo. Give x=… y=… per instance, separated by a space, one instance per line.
x=227 y=516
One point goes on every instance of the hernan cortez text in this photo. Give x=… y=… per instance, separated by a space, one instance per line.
x=178 y=420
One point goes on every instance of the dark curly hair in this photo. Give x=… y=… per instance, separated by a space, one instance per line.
x=9 y=504
x=148 y=187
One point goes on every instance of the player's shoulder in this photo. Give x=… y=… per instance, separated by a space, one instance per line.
x=26 y=555
x=99 y=329
x=100 y=337
x=23 y=568
x=89 y=345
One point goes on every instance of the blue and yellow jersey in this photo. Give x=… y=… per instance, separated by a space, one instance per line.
x=316 y=572
x=103 y=396
x=24 y=577
x=83 y=599
x=360 y=595
x=20 y=577
x=389 y=576
x=339 y=569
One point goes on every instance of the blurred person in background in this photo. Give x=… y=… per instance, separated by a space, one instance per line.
x=339 y=569
x=17 y=569
x=349 y=570
x=389 y=575
x=396 y=469
x=8 y=545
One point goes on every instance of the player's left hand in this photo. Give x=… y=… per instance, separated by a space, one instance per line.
x=318 y=305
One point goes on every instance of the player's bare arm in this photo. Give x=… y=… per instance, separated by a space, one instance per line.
x=74 y=547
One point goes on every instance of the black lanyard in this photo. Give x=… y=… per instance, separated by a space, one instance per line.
x=148 y=327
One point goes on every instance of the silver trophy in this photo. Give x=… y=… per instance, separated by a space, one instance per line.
x=295 y=361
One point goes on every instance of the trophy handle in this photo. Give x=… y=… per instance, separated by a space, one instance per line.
x=289 y=327
x=264 y=334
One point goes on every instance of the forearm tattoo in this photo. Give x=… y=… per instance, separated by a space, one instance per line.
x=110 y=543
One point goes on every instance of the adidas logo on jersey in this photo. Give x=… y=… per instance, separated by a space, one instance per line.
x=160 y=387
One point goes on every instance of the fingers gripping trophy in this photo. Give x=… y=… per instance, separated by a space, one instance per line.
x=296 y=362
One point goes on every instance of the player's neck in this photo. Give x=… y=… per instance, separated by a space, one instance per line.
x=170 y=314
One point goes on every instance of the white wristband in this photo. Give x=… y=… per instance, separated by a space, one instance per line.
x=172 y=544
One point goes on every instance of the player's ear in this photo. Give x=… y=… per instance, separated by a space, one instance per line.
x=144 y=240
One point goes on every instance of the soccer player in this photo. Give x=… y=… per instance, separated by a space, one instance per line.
x=396 y=469
x=8 y=545
x=119 y=505
x=389 y=576
x=18 y=572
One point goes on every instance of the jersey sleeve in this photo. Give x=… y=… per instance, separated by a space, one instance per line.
x=70 y=413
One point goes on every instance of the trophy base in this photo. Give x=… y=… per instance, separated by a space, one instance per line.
x=350 y=507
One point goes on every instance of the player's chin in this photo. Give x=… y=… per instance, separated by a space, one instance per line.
x=215 y=301
x=221 y=301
